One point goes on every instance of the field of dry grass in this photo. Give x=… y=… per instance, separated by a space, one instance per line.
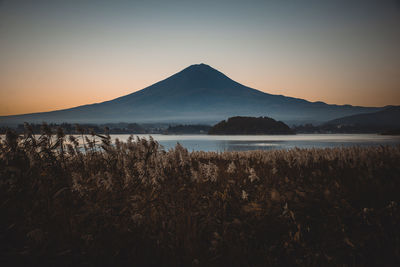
x=68 y=201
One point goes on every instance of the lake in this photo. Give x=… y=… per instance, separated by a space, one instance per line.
x=268 y=142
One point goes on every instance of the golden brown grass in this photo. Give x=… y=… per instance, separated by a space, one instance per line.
x=87 y=201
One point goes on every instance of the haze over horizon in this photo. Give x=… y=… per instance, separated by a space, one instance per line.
x=56 y=55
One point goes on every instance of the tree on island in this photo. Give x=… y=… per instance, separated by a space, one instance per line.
x=250 y=125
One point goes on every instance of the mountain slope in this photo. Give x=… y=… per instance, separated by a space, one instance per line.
x=388 y=118
x=197 y=94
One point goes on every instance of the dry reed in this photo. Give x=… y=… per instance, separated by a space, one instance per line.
x=90 y=201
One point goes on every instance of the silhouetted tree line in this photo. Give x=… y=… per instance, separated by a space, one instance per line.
x=188 y=129
x=234 y=125
x=331 y=128
x=112 y=128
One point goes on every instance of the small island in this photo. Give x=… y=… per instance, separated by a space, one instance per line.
x=250 y=126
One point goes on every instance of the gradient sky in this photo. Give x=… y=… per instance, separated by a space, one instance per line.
x=60 y=54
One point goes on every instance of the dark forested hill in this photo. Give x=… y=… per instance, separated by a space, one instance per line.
x=250 y=125
x=386 y=119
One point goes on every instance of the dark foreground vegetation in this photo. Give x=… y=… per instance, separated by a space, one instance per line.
x=135 y=204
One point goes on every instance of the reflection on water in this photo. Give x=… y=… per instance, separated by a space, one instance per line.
x=268 y=142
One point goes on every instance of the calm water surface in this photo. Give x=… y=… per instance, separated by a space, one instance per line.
x=268 y=142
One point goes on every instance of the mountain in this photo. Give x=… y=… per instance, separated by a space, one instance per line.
x=386 y=119
x=250 y=125
x=197 y=94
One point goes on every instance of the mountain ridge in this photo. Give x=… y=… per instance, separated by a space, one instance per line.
x=199 y=94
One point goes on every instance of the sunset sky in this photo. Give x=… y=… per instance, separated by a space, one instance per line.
x=61 y=54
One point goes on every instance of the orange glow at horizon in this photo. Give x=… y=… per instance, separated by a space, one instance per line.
x=61 y=54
